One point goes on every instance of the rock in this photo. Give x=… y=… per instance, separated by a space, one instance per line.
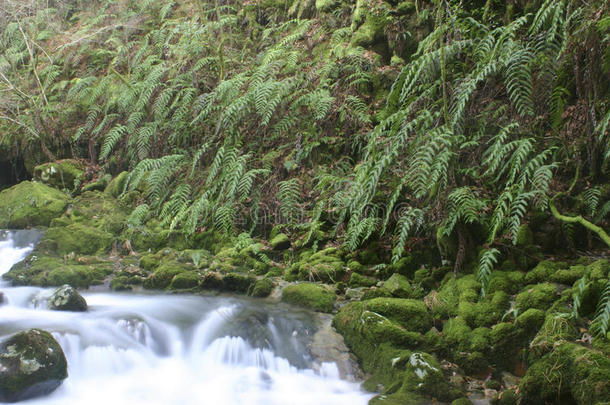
x=262 y=288
x=569 y=374
x=78 y=238
x=280 y=242
x=66 y=298
x=30 y=204
x=309 y=295
x=539 y=296
x=32 y=364
x=398 y=286
x=186 y=280
x=1 y=298
x=61 y=174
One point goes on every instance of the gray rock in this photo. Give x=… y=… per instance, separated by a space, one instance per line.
x=398 y=286
x=32 y=364
x=66 y=298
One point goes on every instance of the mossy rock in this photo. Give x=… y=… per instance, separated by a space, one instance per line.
x=569 y=374
x=121 y=283
x=480 y=340
x=61 y=174
x=32 y=364
x=398 y=285
x=356 y=280
x=309 y=295
x=506 y=397
x=425 y=377
x=165 y=273
x=599 y=270
x=262 y=288
x=98 y=210
x=457 y=333
x=30 y=204
x=507 y=343
x=116 y=186
x=485 y=312
x=237 y=282
x=473 y=363
x=78 y=238
x=280 y=242
x=410 y=314
x=569 y=276
x=149 y=262
x=557 y=327
x=539 y=296
x=452 y=292
x=544 y=271
x=508 y=281
x=530 y=321
x=327 y=5
x=185 y=280
x=99 y=184
x=43 y=270
x=66 y=298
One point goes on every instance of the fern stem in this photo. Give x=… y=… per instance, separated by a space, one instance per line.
x=579 y=219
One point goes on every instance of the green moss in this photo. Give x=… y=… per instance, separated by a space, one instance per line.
x=280 y=242
x=473 y=363
x=164 y=274
x=569 y=374
x=539 y=296
x=509 y=282
x=543 y=271
x=507 y=343
x=453 y=291
x=410 y=314
x=149 y=262
x=375 y=292
x=116 y=185
x=398 y=286
x=355 y=266
x=120 y=283
x=425 y=377
x=98 y=210
x=356 y=280
x=262 y=288
x=457 y=333
x=61 y=174
x=486 y=312
x=76 y=276
x=506 y=397
x=556 y=328
x=327 y=5
x=185 y=280
x=568 y=276
x=480 y=340
x=530 y=321
x=30 y=204
x=78 y=238
x=310 y=295
x=599 y=270
x=237 y=282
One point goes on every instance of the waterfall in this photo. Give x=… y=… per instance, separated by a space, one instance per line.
x=175 y=349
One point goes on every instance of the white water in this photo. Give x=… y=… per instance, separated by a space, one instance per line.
x=170 y=349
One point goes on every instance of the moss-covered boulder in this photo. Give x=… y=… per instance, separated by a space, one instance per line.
x=539 y=296
x=97 y=210
x=557 y=327
x=165 y=274
x=280 y=242
x=185 y=280
x=326 y=265
x=32 y=364
x=357 y=280
x=262 y=288
x=76 y=238
x=62 y=174
x=544 y=271
x=66 y=298
x=409 y=314
x=398 y=285
x=569 y=374
x=238 y=282
x=41 y=269
x=30 y=204
x=309 y=295
x=116 y=185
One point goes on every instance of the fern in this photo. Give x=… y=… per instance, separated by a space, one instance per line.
x=600 y=325
x=488 y=260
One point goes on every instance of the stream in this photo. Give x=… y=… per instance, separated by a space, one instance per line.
x=139 y=348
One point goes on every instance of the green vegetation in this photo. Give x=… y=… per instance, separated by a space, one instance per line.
x=433 y=170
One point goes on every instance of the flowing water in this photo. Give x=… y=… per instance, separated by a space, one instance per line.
x=175 y=349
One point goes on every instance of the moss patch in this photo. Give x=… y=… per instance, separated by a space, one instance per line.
x=309 y=295
x=30 y=204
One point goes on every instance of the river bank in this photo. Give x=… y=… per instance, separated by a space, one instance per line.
x=420 y=333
